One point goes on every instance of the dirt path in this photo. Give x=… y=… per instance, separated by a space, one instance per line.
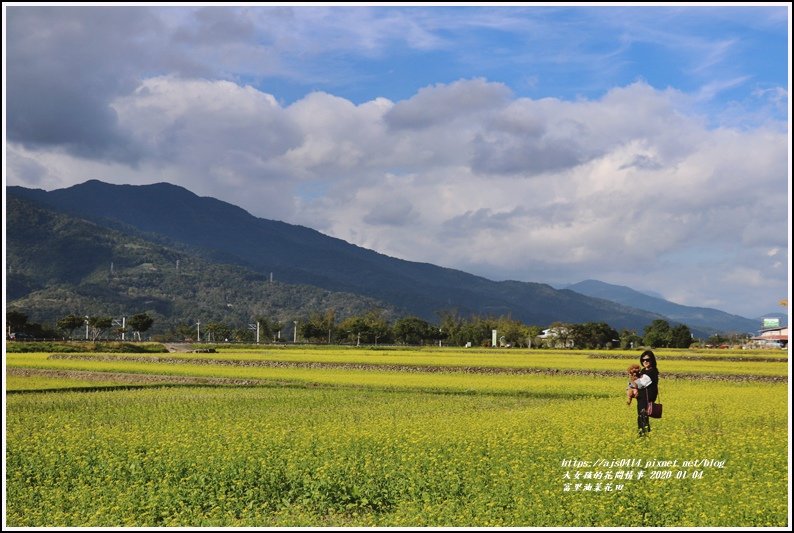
x=408 y=368
x=129 y=378
x=178 y=347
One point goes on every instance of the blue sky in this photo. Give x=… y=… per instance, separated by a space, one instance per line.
x=641 y=146
x=723 y=55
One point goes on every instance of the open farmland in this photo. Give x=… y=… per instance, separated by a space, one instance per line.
x=360 y=437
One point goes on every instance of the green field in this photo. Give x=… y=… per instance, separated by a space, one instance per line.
x=358 y=437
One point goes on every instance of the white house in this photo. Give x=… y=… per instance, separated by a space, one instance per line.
x=557 y=337
x=772 y=338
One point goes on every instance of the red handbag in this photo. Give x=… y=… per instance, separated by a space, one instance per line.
x=654 y=410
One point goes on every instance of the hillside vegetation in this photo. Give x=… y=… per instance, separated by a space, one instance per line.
x=226 y=234
x=59 y=264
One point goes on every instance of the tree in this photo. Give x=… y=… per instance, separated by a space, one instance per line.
x=370 y=327
x=243 y=335
x=69 y=323
x=15 y=322
x=629 y=340
x=477 y=331
x=717 y=339
x=354 y=327
x=37 y=331
x=377 y=325
x=216 y=331
x=98 y=325
x=313 y=329
x=657 y=334
x=319 y=327
x=680 y=336
x=560 y=335
x=411 y=330
x=185 y=331
x=593 y=335
x=512 y=331
x=272 y=328
x=533 y=332
x=269 y=328
x=140 y=323
x=451 y=326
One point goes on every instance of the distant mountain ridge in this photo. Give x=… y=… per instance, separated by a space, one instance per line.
x=294 y=254
x=59 y=264
x=695 y=317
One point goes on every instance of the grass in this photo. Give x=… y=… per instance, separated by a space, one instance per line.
x=321 y=447
x=84 y=347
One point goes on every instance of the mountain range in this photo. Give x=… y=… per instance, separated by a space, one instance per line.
x=90 y=237
x=694 y=317
x=59 y=264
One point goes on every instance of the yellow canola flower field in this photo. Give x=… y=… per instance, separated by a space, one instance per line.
x=352 y=447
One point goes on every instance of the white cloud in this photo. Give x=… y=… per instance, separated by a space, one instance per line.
x=444 y=103
x=627 y=188
x=746 y=277
x=338 y=135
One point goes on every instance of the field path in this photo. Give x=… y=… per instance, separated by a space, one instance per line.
x=178 y=347
x=155 y=360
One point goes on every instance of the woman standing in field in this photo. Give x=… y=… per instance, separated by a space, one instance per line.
x=648 y=384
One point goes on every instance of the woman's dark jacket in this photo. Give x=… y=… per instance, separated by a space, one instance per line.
x=652 y=390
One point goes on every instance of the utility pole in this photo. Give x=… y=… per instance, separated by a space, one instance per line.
x=295 y=332
x=255 y=327
x=198 y=331
x=123 y=325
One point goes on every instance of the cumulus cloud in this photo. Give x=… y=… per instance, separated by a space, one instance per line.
x=338 y=135
x=197 y=120
x=628 y=187
x=214 y=26
x=394 y=213
x=62 y=75
x=26 y=170
x=444 y=103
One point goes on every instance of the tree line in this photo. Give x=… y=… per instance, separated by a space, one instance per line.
x=96 y=327
x=372 y=328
